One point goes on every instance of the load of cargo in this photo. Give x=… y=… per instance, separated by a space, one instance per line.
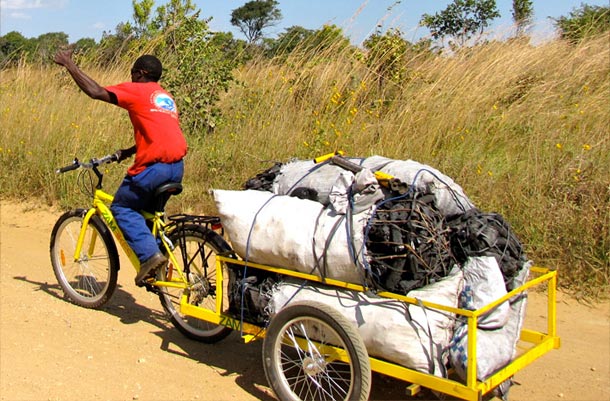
x=388 y=225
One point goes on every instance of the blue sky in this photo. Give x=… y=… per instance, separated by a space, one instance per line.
x=358 y=18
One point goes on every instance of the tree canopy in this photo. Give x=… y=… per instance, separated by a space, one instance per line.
x=523 y=14
x=461 y=20
x=583 y=22
x=254 y=16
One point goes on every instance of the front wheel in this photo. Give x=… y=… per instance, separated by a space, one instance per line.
x=313 y=353
x=196 y=248
x=90 y=278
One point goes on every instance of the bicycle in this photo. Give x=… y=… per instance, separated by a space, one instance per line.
x=86 y=261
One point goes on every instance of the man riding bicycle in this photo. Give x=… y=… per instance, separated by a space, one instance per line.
x=159 y=149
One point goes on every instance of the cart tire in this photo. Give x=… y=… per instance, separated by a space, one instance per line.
x=305 y=370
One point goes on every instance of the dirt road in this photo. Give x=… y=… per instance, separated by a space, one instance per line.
x=52 y=350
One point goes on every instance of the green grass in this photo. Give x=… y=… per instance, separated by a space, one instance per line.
x=523 y=129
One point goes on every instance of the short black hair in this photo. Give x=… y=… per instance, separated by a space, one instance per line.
x=150 y=66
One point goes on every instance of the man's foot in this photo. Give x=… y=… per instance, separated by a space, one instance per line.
x=148 y=267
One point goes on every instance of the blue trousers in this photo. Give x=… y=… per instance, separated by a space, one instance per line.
x=136 y=193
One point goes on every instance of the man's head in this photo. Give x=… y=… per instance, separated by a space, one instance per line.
x=146 y=68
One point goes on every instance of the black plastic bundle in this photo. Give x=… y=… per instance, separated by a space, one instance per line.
x=475 y=233
x=264 y=181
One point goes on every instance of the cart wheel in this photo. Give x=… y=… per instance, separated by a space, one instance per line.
x=312 y=352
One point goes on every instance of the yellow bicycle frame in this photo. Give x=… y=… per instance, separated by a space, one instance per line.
x=101 y=200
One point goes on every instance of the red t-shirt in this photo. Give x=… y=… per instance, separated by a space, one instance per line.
x=154 y=116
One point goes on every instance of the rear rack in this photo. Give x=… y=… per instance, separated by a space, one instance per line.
x=210 y=222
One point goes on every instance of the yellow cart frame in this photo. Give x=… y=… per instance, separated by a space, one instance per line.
x=535 y=343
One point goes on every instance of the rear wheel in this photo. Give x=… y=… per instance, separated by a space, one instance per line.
x=198 y=254
x=89 y=280
x=313 y=353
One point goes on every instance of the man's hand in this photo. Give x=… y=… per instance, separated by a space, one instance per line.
x=123 y=154
x=84 y=82
x=64 y=57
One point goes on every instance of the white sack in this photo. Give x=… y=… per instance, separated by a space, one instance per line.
x=291 y=233
x=484 y=284
x=495 y=348
x=306 y=173
x=450 y=197
x=363 y=188
x=409 y=335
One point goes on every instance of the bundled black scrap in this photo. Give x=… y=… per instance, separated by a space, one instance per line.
x=411 y=244
x=249 y=295
x=408 y=244
x=264 y=181
x=475 y=233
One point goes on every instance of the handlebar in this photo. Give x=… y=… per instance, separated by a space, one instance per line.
x=92 y=164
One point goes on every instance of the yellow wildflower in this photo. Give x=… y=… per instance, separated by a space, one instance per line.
x=586 y=147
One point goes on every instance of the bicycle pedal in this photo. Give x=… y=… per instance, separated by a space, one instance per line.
x=151 y=288
x=147 y=282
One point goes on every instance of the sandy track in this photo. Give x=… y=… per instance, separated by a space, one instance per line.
x=53 y=350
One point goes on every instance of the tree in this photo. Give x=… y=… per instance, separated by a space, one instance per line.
x=142 y=12
x=169 y=18
x=173 y=13
x=386 y=54
x=231 y=48
x=85 y=45
x=113 y=46
x=13 y=46
x=254 y=16
x=583 y=22
x=288 y=41
x=196 y=71
x=461 y=20
x=49 y=43
x=523 y=14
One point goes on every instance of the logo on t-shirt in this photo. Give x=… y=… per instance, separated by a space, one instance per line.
x=164 y=102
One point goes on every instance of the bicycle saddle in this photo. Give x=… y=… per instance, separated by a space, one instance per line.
x=163 y=192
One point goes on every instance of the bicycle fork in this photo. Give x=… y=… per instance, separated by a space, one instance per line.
x=81 y=237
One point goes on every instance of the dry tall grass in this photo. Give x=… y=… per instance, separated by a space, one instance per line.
x=523 y=129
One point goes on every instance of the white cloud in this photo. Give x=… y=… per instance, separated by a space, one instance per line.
x=32 y=4
x=99 y=25
x=18 y=15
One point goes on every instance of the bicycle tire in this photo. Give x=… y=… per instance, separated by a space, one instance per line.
x=311 y=373
x=91 y=280
x=202 y=245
